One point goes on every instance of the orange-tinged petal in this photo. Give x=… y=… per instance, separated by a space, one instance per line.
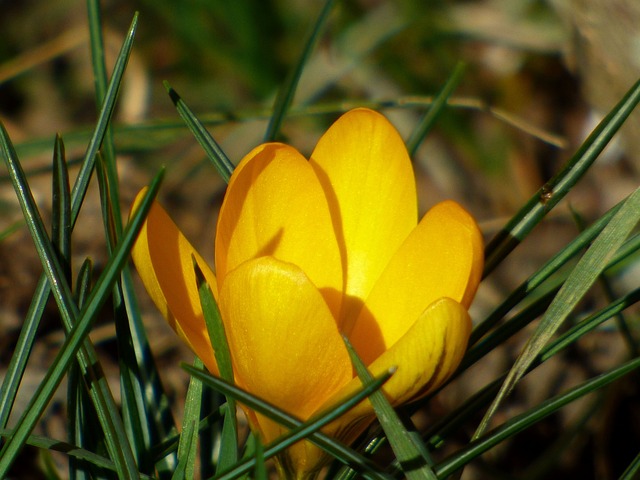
x=442 y=257
x=163 y=258
x=275 y=206
x=364 y=167
x=426 y=355
x=284 y=341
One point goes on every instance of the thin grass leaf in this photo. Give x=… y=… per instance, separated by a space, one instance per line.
x=577 y=245
x=156 y=134
x=607 y=288
x=428 y=120
x=215 y=328
x=187 y=448
x=105 y=405
x=470 y=408
x=25 y=341
x=586 y=272
x=61 y=207
x=288 y=89
x=80 y=431
x=214 y=152
x=299 y=430
x=521 y=422
x=260 y=470
x=108 y=106
x=69 y=449
x=633 y=470
x=83 y=283
x=72 y=345
x=138 y=373
x=555 y=189
x=22 y=350
x=414 y=464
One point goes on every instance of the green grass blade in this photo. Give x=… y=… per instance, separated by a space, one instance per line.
x=288 y=89
x=100 y=77
x=156 y=418
x=21 y=351
x=76 y=337
x=214 y=153
x=428 y=120
x=69 y=449
x=633 y=470
x=414 y=464
x=61 y=207
x=39 y=299
x=138 y=374
x=583 y=276
x=299 y=429
x=82 y=425
x=525 y=420
x=108 y=106
x=215 y=327
x=260 y=471
x=555 y=189
x=187 y=447
x=470 y=408
x=87 y=357
x=521 y=292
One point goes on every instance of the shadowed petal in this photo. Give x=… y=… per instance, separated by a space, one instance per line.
x=283 y=338
x=427 y=354
x=275 y=206
x=368 y=179
x=162 y=256
x=442 y=257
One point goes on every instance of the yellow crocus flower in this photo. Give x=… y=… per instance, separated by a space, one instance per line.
x=309 y=250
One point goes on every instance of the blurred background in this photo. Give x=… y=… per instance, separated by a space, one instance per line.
x=539 y=76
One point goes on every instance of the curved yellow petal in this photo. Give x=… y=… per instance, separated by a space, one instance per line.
x=162 y=256
x=363 y=165
x=442 y=257
x=284 y=341
x=275 y=206
x=426 y=355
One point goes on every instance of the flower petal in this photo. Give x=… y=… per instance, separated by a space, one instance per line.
x=275 y=206
x=426 y=355
x=284 y=341
x=163 y=258
x=364 y=167
x=442 y=257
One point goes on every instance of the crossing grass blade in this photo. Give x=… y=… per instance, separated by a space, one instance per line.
x=69 y=449
x=582 y=277
x=555 y=189
x=78 y=324
x=299 y=430
x=215 y=327
x=552 y=266
x=413 y=462
x=523 y=421
x=26 y=338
